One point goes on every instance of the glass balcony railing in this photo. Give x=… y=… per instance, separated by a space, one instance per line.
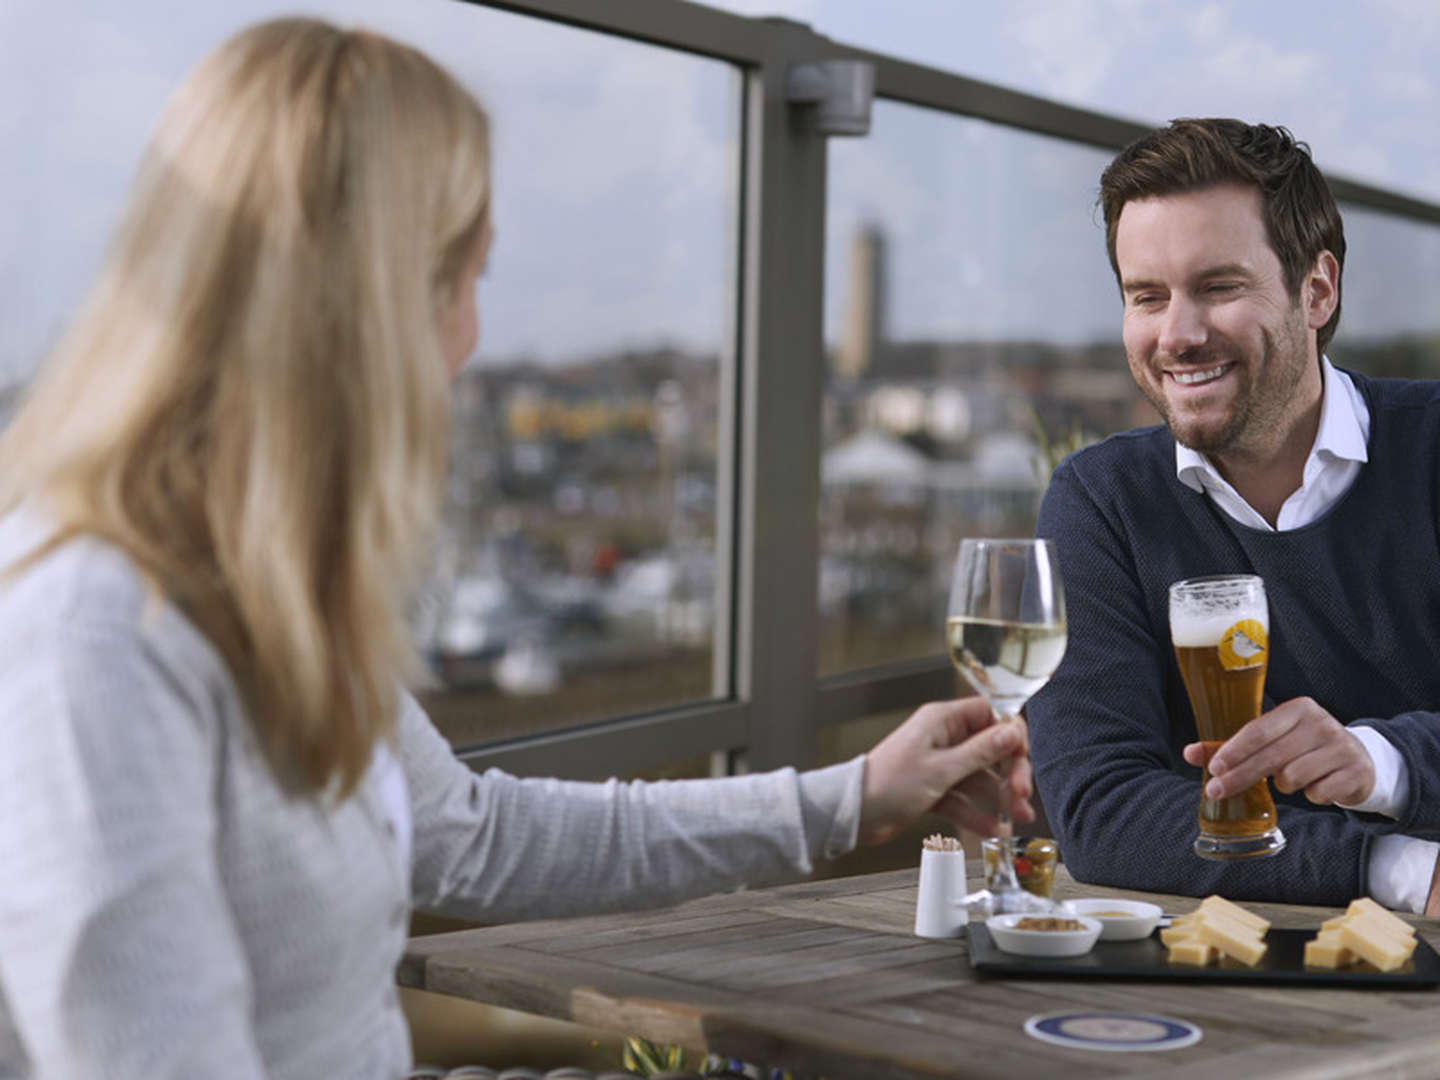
x=972 y=320
x=668 y=532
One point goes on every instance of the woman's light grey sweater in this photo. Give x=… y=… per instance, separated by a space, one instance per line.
x=167 y=911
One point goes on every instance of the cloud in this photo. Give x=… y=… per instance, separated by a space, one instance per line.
x=809 y=11
x=617 y=161
x=79 y=92
x=1411 y=87
x=989 y=233
x=1070 y=48
x=1413 y=24
x=1207 y=23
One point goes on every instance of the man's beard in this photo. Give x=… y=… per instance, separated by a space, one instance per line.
x=1202 y=439
x=1260 y=406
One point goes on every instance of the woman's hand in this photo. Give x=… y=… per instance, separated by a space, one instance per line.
x=938 y=761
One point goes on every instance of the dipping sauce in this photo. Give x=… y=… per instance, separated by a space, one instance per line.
x=1040 y=922
x=1112 y=915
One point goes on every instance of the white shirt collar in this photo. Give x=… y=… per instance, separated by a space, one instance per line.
x=1342 y=435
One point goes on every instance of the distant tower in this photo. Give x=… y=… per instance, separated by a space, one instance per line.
x=865 y=304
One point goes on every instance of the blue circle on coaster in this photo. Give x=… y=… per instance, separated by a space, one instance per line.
x=1112 y=1031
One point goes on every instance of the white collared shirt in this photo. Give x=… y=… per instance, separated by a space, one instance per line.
x=1334 y=461
x=1400 y=866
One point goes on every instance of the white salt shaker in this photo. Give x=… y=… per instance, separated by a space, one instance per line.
x=942 y=882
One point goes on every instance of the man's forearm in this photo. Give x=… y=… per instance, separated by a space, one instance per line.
x=1136 y=831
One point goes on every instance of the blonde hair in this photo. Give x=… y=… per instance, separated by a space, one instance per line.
x=253 y=402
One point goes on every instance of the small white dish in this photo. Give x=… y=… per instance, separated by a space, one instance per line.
x=1120 y=920
x=1043 y=942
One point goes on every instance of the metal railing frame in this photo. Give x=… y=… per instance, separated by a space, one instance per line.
x=768 y=703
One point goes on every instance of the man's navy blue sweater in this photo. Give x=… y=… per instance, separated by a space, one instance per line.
x=1354 y=623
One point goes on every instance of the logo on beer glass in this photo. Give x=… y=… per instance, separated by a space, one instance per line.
x=1220 y=627
x=1244 y=645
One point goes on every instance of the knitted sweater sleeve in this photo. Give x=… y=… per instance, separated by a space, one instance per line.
x=1106 y=751
x=1417 y=736
x=119 y=953
x=496 y=847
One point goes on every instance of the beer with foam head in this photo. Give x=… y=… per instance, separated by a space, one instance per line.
x=1220 y=627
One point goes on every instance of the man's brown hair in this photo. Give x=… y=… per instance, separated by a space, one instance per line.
x=1296 y=206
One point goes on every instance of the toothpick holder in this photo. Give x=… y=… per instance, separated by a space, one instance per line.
x=942 y=882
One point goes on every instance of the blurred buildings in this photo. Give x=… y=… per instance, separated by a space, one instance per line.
x=579 y=524
x=580 y=521
x=865 y=304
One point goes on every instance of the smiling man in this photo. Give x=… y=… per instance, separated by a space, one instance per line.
x=1215 y=339
x=1229 y=251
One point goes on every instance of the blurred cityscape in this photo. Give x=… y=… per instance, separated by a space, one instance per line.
x=575 y=573
x=580 y=523
x=579 y=538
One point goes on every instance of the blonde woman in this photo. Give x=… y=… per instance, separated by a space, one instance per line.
x=217 y=804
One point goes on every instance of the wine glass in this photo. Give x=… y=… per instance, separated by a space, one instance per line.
x=1005 y=631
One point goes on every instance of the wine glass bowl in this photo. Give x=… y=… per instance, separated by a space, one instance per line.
x=1005 y=632
x=1006 y=661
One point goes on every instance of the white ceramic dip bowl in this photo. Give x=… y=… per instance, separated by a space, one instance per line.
x=1120 y=920
x=1012 y=939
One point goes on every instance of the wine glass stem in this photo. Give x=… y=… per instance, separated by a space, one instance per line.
x=1002 y=770
x=1005 y=828
x=1005 y=876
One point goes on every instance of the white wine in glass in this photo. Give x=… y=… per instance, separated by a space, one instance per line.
x=1006 y=661
x=1005 y=632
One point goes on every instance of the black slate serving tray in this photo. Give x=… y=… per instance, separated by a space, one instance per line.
x=1284 y=962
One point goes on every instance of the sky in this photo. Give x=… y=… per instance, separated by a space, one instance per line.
x=616 y=163
x=1359 y=80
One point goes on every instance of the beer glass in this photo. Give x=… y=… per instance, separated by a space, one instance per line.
x=1005 y=632
x=1220 y=627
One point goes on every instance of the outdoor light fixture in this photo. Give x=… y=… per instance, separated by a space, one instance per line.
x=843 y=90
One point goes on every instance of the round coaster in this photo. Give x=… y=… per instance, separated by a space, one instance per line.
x=1112 y=1031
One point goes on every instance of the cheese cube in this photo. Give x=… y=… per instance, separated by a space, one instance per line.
x=1372 y=926
x=1362 y=937
x=1191 y=951
x=1367 y=932
x=1169 y=935
x=1326 y=950
x=1215 y=928
x=1221 y=916
x=1222 y=906
x=1231 y=938
x=1382 y=915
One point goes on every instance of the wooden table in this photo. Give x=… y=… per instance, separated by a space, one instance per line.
x=827 y=979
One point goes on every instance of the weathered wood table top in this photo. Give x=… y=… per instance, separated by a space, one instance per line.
x=826 y=978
